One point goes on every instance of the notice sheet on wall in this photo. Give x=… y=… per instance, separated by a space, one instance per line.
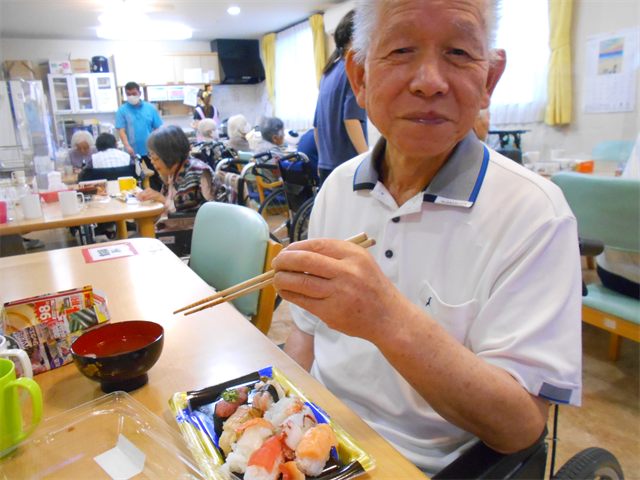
x=611 y=72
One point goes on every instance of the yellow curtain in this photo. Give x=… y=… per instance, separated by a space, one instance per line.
x=269 y=53
x=559 y=85
x=317 y=27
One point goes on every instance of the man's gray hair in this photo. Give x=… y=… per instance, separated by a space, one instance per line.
x=82 y=136
x=270 y=127
x=364 y=23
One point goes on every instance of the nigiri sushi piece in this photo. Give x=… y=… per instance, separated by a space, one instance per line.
x=314 y=449
x=252 y=435
x=265 y=462
x=294 y=427
x=243 y=414
x=284 y=408
x=265 y=396
x=290 y=471
x=231 y=400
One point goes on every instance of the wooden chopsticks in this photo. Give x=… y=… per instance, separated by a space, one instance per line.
x=256 y=283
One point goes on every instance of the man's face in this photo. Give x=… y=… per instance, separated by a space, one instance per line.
x=427 y=74
x=133 y=93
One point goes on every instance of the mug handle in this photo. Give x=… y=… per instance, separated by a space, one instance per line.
x=24 y=360
x=36 y=401
x=82 y=195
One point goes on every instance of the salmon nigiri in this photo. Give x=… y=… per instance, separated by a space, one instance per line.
x=290 y=472
x=264 y=462
x=314 y=449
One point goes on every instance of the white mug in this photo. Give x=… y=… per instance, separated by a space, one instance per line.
x=531 y=157
x=18 y=177
x=5 y=352
x=69 y=202
x=113 y=187
x=31 y=206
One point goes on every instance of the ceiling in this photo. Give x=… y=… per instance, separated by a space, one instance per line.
x=78 y=19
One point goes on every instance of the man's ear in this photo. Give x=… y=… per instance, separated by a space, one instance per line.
x=497 y=64
x=355 y=72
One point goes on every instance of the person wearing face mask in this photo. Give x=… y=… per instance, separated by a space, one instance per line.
x=135 y=120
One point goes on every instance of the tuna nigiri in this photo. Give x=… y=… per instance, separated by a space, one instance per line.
x=231 y=400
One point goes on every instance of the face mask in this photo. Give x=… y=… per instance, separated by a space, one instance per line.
x=133 y=99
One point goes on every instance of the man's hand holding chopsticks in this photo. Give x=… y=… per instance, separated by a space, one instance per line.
x=340 y=283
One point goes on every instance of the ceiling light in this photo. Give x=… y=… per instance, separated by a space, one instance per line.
x=233 y=10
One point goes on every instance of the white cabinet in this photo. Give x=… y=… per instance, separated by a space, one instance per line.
x=83 y=96
x=83 y=93
x=60 y=90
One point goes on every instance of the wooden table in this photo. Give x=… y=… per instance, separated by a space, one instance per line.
x=109 y=210
x=200 y=350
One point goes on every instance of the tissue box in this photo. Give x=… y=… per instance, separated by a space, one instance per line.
x=46 y=326
x=60 y=66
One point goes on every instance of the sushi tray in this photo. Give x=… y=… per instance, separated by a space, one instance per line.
x=261 y=426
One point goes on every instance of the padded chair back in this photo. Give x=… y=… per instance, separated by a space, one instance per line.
x=229 y=246
x=114 y=173
x=613 y=151
x=607 y=208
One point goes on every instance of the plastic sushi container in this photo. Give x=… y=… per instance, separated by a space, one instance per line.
x=111 y=437
x=193 y=409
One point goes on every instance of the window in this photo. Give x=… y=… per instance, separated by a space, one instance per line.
x=296 y=87
x=523 y=32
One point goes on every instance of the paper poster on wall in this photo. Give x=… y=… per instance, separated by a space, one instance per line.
x=191 y=96
x=611 y=72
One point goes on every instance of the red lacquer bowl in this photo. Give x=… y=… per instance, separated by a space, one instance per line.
x=119 y=355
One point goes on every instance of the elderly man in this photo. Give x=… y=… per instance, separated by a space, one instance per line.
x=464 y=320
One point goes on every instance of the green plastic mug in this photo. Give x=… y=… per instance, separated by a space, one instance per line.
x=12 y=431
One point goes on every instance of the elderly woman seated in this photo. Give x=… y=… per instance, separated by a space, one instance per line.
x=272 y=130
x=237 y=128
x=208 y=128
x=187 y=182
x=82 y=148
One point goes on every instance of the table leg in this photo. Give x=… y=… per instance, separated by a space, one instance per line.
x=146 y=227
x=121 y=229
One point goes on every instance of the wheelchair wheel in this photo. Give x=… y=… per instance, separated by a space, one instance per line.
x=275 y=210
x=300 y=229
x=591 y=464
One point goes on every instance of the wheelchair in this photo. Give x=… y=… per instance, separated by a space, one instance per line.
x=211 y=152
x=482 y=462
x=291 y=199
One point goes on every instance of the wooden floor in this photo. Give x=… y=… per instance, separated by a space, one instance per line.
x=610 y=414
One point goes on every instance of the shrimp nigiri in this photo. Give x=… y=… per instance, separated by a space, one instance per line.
x=314 y=449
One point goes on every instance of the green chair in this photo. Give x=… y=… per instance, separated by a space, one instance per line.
x=607 y=209
x=617 y=151
x=231 y=244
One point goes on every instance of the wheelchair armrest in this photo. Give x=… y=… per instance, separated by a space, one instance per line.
x=482 y=462
x=244 y=156
x=297 y=156
x=182 y=215
x=590 y=247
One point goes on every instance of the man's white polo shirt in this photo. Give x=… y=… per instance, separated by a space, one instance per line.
x=490 y=251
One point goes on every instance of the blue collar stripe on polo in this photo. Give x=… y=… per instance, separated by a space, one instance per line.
x=457 y=183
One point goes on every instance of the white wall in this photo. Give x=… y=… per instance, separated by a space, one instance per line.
x=248 y=100
x=590 y=17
